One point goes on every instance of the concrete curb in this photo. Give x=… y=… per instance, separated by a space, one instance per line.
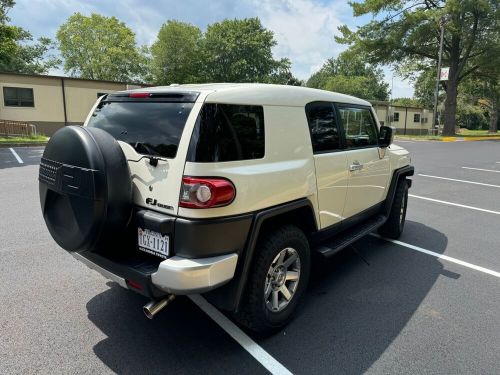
x=27 y=144
x=450 y=139
x=468 y=139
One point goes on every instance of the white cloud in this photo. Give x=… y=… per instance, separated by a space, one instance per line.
x=304 y=30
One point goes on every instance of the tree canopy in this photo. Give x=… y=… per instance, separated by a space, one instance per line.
x=18 y=52
x=98 y=47
x=349 y=74
x=240 y=50
x=176 y=54
x=408 y=31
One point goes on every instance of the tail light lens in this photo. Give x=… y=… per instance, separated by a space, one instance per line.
x=206 y=192
x=141 y=95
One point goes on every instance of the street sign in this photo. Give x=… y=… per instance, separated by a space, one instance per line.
x=443 y=75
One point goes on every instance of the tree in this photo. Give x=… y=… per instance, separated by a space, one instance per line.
x=403 y=31
x=176 y=55
x=18 y=53
x=240 y=51
x=349 y=74
x=99 y=47
x=406 y=102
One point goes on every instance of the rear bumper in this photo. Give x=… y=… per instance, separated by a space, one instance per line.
x=179 y=275
x=176 y=275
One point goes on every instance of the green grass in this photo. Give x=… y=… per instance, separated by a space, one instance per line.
x=476 y=133
x=30 y=139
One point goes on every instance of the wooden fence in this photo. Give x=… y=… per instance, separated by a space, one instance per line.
x=10 y=128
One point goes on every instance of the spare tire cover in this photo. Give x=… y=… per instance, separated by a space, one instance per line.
x=85 y=188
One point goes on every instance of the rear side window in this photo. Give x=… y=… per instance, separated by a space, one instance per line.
x=152 y=128
x=226 y=132
x=359 y=126
x=323 y=126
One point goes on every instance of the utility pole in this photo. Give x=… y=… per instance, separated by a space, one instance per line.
x=436 y=91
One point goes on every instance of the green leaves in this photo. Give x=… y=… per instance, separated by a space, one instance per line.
x=229 y=51
x=176 y=54
x=349 y=74
x=99 y=47
x=18 y=52
x=408 y=31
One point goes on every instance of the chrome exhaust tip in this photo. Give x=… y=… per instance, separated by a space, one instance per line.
x=154 y=307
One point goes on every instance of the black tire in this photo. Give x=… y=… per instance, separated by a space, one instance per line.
x=85 y=188
x=255 y=313
x=393 y=227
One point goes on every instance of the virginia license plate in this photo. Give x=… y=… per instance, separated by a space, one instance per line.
x=153 y=242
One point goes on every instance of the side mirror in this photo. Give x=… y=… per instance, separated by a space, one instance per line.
x=386 y=136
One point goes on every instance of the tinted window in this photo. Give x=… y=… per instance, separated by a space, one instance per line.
x=18 y=97
x=225 y=132
x=152 y=128
x=359 y=126
x=323 y=126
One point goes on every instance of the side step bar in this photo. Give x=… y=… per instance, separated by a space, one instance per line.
x=344 y=239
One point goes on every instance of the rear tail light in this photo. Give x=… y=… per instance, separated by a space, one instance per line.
x=206 y=192
x=139 y=95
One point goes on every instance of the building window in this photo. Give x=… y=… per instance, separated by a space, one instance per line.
x=416 y=117
x=396 y=116
x=18 y=97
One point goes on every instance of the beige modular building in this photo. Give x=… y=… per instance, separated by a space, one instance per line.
x=50 y=102
x=407 y=120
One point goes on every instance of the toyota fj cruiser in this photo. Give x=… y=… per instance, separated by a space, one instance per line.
x=222 y=189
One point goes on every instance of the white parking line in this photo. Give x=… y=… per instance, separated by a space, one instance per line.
x=454 y=179
x=19 y=160
x=440 y=256
x=455 y=204
x=256 y=351
x=481 y=169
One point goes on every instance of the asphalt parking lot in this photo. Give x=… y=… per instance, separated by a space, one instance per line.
x=427 y=304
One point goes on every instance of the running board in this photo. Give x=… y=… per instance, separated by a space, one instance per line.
x=344 y=239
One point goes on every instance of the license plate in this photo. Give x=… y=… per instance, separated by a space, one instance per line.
x=153 y=242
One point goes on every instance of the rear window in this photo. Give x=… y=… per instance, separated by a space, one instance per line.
x=152 y=128
x=225 y=132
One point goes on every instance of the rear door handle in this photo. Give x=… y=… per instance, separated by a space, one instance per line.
x=355 y=166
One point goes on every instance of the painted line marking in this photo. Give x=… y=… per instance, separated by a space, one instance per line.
x=464 y=181
x=455 y=204
x=19 y=160
x=440 y=256
x=481 y=169
x=256 y=351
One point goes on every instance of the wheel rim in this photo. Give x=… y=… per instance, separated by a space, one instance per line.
x=282 y=279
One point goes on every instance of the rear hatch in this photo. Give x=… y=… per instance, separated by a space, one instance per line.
x=149 y=127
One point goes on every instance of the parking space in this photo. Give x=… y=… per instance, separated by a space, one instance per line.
x=13 y=157
x=377 y=308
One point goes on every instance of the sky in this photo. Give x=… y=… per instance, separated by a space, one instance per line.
x=304 y=29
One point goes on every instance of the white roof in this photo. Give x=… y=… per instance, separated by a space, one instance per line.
x=260 y=94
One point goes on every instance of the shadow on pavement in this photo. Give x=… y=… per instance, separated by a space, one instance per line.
x=181 y=339
x=354 y=311
x=351 y=314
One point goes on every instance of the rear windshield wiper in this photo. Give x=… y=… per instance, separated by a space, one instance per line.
x=141 y=148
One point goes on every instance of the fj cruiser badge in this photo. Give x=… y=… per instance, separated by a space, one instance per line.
x=154 y=202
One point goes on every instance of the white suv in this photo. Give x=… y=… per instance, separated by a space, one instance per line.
x=222 y=189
